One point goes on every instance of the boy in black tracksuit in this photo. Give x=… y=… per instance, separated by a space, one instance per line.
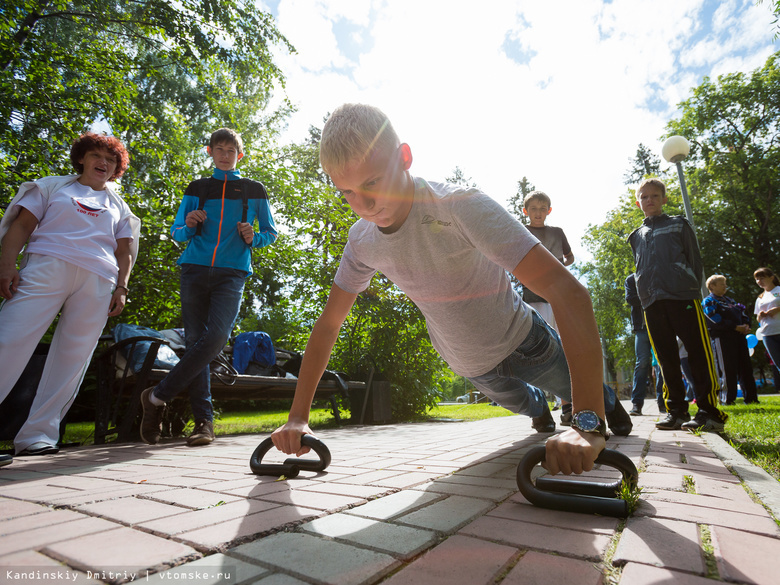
x=668 y=279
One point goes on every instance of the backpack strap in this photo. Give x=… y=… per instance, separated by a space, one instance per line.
x=202 y=196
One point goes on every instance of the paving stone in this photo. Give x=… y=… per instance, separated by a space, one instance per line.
x=39 y=537
x=463 y=489
x=132 y=510
x=342 y=489
x=225 y=533
x=447 y=515
x=661 y=542
x=394 y=505
x=538 y=537
x=639 y=574
x=745 y=557
x=741 y=505
x=17 y=508
x=279 y=579
x=400 y=541
x=119 y=550
x=51 y=518
x=543 y=569
x=32 y=568
x=312 y=499
x=405 y=480
x=195 y=519
x=216 y=569
x=512 y=510
x=459 y=559
x=192 y=498
x=312 y=557
x=721 y=517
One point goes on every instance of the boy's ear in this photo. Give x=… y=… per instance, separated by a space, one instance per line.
x=406 y=156
x=240 y=156
x=549 y=210
x=525 y=211
x=637 y=203
x=208 y=150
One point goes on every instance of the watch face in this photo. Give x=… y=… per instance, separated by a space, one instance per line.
x=587 y=420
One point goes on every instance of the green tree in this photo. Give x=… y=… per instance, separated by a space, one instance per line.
x=515 y=204
x=644 y=164
x=458 y=177
x=733 y=172
x=160 y=76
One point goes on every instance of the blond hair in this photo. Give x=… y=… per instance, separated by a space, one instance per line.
x=715 y=279
x=352 y=133
x=537 y=196
x=652 y=181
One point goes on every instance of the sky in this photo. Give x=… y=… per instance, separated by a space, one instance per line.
x=559 y=92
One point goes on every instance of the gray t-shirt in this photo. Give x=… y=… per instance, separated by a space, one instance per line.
x=451 y=257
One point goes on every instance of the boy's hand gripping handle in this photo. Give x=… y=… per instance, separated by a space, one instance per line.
x=292 y=465
x=577 y=496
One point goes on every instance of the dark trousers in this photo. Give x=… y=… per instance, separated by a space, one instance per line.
x=737 y=366
x=666 y=321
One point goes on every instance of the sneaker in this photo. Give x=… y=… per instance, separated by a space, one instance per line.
x=635 y=411
x=544 y=423
x=672 y=422
x=202 y=434
x=39 y=448
x=618 y=420
x=566 y=415
x=151 y=419
x=704 y=424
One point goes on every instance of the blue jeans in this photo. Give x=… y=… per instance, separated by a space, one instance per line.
x=644 y=361
x=537 y=365
x=210 y=299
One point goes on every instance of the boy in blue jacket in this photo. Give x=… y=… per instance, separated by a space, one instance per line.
x=215 y=218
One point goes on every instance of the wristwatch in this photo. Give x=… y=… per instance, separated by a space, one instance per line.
x=589 y=422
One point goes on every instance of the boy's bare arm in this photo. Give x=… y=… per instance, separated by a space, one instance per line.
x=572 y=451
x=315 y=359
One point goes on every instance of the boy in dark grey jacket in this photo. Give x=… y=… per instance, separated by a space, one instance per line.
x=668 y=280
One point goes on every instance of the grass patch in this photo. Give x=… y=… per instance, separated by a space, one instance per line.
x=466 y=412
x=754 y=431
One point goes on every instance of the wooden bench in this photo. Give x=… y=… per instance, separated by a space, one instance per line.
x=119 y=388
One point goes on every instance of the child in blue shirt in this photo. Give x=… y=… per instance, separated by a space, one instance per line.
x=215 y=218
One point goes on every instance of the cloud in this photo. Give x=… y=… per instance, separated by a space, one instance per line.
x=562 y=93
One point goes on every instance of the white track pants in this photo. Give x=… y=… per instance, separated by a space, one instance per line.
x=47 y=286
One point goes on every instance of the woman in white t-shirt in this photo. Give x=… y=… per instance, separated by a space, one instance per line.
x=768 y=312
x=81 y=241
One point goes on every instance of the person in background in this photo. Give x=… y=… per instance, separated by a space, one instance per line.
x=643 y=350
x=729 y=325
x=668 y=280
x=537 y=205
x=215 y=219
x=82 y=240
x=767 y=310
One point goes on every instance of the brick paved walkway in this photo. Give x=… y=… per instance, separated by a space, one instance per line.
x=402 y=504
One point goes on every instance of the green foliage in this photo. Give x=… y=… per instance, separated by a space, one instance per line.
x=733 y=172
x=515 y=204
x=733 y=176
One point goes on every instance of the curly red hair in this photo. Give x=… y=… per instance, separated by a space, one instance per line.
x=93 y=141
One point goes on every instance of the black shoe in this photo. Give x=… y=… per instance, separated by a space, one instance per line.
x=635 y=411
x=566 y=414
x=619 y=421
x=544 y=423
x=672 y=422
x=151 y=418
x=703 y=423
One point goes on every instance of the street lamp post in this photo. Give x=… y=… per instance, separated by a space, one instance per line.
x=674 y=150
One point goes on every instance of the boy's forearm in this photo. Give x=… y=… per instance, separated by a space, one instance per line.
x=315 y=361
x=580 y=339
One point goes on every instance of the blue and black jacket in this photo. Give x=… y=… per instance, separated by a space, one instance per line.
x=227 y=199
